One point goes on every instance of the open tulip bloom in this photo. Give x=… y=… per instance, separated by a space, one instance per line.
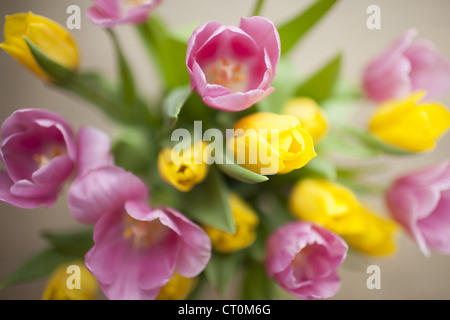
x=233 y=168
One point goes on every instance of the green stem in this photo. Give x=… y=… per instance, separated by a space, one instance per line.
x=151 y=41
x=258 y=7
x=126 y=77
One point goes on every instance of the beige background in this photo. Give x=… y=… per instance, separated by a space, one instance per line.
x=406 y=275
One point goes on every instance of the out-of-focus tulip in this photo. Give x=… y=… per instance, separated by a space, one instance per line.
x=303 y=259
x=71 y=282
x=336 y=208
x=409 y=124
x=420 y=202
x=185 y=169
x=311 y=116
x=109 y=13
x=405 y=67
x=246 y=223
x=39 y=154
x=51 y=38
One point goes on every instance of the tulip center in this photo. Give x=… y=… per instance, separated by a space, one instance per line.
x=132 y=3
x=144 y=234
x=302 y=265
x=44 y=159
x=228 y=73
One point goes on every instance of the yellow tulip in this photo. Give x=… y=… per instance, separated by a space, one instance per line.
x=246 y=223
x=269 y=143
x=178 y=288
x=312 y=118
x=185 y=169
x=46 y=34
x=336 y=208
x=410 y=125
x=376 y=239
x=59 y=286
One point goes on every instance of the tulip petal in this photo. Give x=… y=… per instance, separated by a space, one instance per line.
x=430 y=69
x=102 y=191
x=93 y=150
x=28 y=203
x=195 y=250
x=264 y=32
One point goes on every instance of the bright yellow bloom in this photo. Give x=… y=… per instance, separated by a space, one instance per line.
x=269 y=143
x=178 y=288
x=246 y=223
x=71 y=282
x=336 y=208
x=410 y=125
x=312 y=118
x=376 y=239
x=46 y=34
x=185 y=169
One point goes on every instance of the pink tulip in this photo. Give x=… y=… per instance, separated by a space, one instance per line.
x=137 y=249
x=230 y=67
x=109 y=13
x=405 y=67
x=39 y=154
x=303 y=259
x=420 y=202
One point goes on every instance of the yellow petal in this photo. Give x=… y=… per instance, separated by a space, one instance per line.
x=246 y=223
x=410 y=125
x=46 y=34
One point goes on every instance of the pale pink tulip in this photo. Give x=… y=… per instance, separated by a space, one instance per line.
x=405 y=67
x=420 y=202
x=38 y=152
x=230 y=67
x=303 y=259
x=109 y=13
x=137 y=248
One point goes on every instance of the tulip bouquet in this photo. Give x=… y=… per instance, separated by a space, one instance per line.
x=232 y=172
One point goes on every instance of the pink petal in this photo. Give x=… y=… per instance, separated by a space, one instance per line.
x=387 y=76
x=264 y=32
x=403 y=205
x=27 y=203
x=94 y=147
x=55 y=172
x=195 y=250
x=236 y=101
x=123 y=271
x=103 y=191
x=430 y=69
x=435 y=227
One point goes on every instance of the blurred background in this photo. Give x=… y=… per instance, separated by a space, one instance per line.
x=405 y=275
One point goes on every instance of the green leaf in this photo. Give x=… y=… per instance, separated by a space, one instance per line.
x=294 y=30
x=285 y=86
x=167 y=51
x=134 y=149
x=127 y=86
x=347 y=147
x=173 y=103
x=321 y=85
x=78 y=242
x=99 y=91
x=57 y=72
x=235 y=171
x=222 y=268
x=257 y=285
x=209 y=203
x=39 y=266
x=376 y=144
x=321 y=167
